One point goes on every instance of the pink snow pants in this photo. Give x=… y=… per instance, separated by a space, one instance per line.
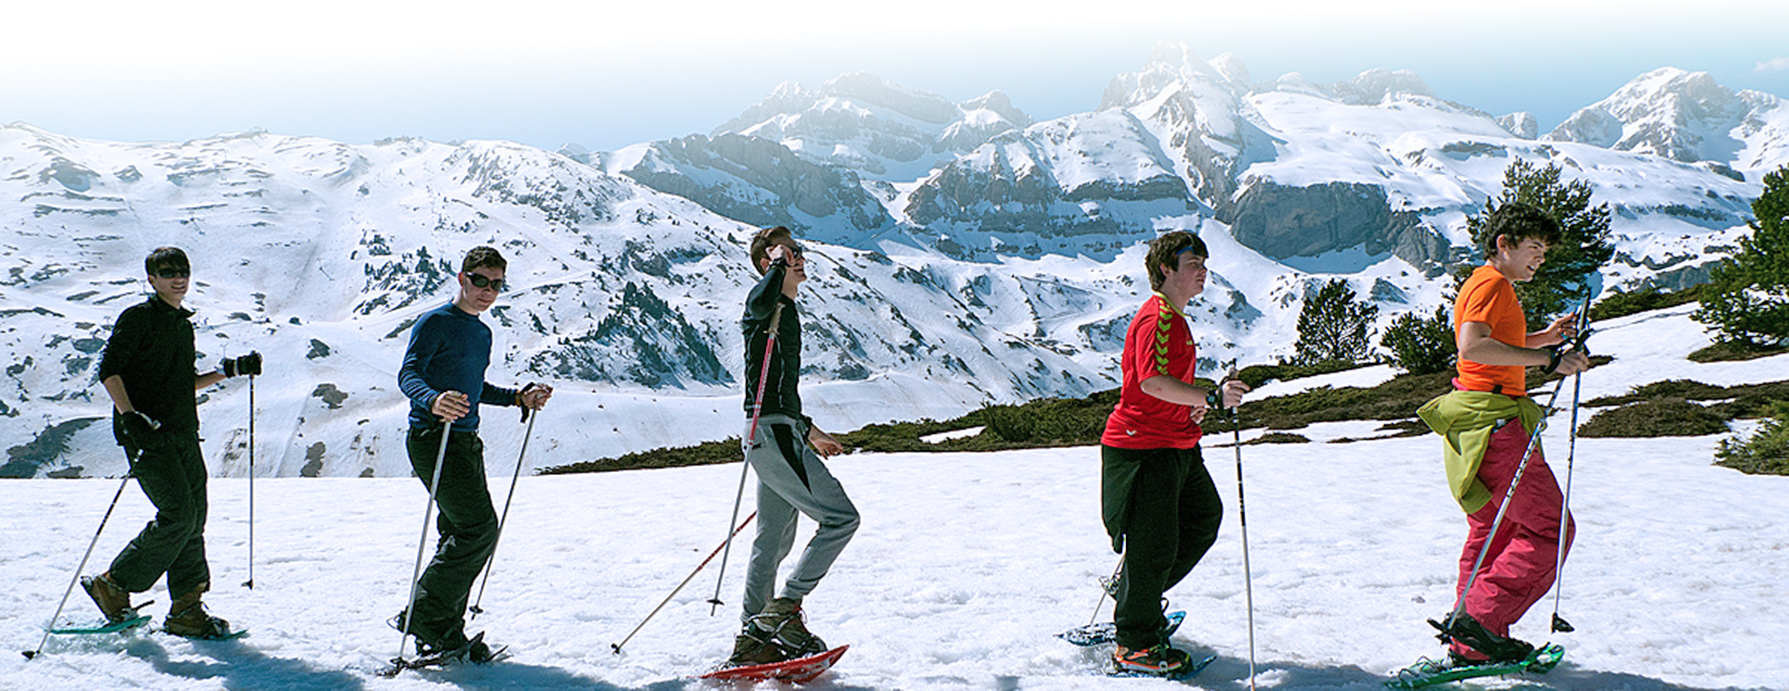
x=1520 y=566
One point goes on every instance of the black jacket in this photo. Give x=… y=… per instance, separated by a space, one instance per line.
x=780 y=394
x=152 y=349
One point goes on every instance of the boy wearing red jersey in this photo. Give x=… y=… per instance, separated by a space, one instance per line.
x=1158 y=502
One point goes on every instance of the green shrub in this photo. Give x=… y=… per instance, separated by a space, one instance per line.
x=1621 y=304
x=1766 y=452
x=1334 y=326
x=1421 y=345
x=1658 y=417
x=1747 y=297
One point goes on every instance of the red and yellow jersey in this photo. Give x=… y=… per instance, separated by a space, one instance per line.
x=1159 y=342
x=1489 y=298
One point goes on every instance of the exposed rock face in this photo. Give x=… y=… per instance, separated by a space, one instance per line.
x=762 y=183
x=1283 y=222
x=1041 y=190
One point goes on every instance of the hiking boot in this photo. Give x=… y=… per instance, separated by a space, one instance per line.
x=1159 y=660
x=194 y=622
x=1466 y=632
x=751 y=647
x=780 y=625
x=113 y=601
x=187 y=617
x=480 y=653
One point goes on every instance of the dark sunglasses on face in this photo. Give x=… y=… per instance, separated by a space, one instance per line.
x=479 y=281
x=172 y=272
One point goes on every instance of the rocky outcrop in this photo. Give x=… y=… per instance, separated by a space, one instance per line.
x=1282 y=222
x=762 y=183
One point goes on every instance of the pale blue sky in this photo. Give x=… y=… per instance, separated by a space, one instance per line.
x=547 y=73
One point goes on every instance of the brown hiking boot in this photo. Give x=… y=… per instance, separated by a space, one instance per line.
x=113 y=601
x=750 y=647
x=187 y=618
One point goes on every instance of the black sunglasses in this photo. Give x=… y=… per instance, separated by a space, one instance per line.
x=480 y=281
x=172 y=272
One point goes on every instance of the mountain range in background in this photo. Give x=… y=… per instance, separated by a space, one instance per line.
x=962 y=253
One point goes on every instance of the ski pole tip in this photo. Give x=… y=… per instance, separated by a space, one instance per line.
x=250 y=584
x=616 y=647
x=29 y=654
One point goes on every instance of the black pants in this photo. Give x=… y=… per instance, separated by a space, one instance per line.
x=172 y=474
x=467 y=526
x=1172 y=520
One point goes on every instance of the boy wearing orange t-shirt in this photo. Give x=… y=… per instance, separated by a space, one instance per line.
x=1485 y=449
x=1158 y=502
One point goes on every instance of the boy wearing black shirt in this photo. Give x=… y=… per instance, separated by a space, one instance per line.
x=147 y=371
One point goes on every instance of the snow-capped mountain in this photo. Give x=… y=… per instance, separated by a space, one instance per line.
x=320 y=255
x=884 y=131
x=1688 y=117
x=961 y=253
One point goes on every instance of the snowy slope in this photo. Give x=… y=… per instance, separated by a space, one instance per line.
x=965 y=566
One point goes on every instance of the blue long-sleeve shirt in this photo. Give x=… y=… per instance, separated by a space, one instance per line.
x=449 y=351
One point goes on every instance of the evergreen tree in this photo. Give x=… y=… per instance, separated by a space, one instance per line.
x=1561 y=282
x=1334 y=327
x=1747 y=299
x=1421 y=345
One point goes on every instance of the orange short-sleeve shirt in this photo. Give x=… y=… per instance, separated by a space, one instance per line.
x=1489 y=298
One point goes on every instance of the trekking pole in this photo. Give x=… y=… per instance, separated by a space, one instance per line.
x=1533 y=442
x=32 y=654
x=1565 y=511
x=1242 y=515
x=674 y=591
x=1559 y=624
x=505 y=517
x=416 y=576
x=745 y=449
x=250 y=583
x=1108 y=586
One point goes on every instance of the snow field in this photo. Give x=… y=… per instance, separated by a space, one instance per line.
x=965 y=566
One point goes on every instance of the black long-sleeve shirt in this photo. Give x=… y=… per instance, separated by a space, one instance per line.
x=151 y=348
x=781 y=396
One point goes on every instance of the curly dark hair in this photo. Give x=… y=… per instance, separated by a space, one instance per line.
x=1520 y=221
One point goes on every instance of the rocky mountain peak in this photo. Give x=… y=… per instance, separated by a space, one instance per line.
x=1674 y=113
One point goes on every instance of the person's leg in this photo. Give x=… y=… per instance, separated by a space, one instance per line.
x=776 y=521
x=163 y=475
x=820 y=497
x=1201 y=512
x=467 y=527
x=1151 y=541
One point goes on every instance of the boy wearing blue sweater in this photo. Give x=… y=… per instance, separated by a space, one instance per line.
x=443 y=368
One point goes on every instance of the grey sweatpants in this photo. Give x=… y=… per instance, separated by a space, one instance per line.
x=792 y=479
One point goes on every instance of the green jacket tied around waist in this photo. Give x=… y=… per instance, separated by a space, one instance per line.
x=1466 y=419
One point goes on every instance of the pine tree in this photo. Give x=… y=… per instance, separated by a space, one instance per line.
x=1747 y=299
x=1334 y=327
x=1584 y=248
x=1421 y=345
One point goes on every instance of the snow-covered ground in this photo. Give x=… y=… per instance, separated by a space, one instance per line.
x=965 y=566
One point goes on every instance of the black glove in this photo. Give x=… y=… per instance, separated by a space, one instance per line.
x=138 y=430
x=247 y=364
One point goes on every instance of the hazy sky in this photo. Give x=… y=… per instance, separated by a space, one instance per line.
x=605 y=75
